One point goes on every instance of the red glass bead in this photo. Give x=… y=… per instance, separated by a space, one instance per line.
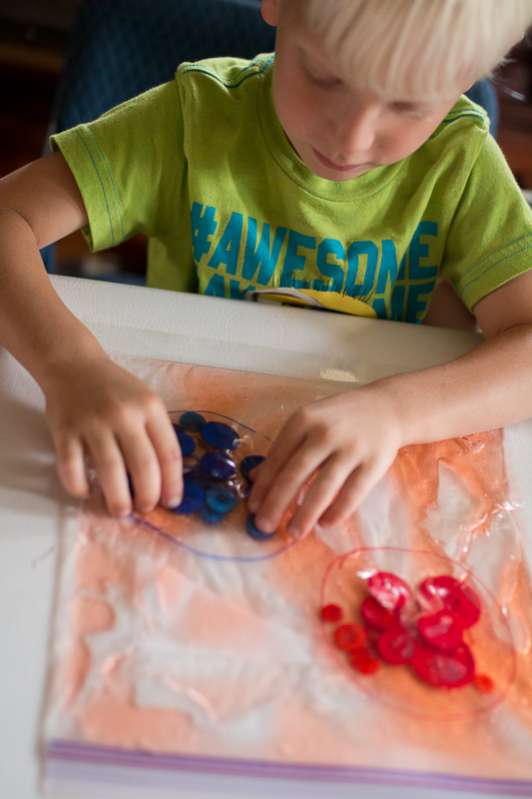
x=389 y=590
x=396 y=645
x=375 y=616
x=363 y=661
x=349 y=637
x=484 y=684
x=441 y=630
x=443 y=669
x=449 y=593
x=331 y=613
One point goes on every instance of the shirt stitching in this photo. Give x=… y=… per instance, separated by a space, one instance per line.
x=255 y=73
x=114 y=187
x=102 y=186
x=481 y=265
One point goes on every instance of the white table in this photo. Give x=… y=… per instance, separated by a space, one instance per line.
x=202 y=330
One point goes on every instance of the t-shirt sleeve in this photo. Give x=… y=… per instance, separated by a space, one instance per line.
x=490 y=238
x=129 y=166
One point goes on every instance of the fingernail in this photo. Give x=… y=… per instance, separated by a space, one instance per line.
x=264 y=524
x=173 y=503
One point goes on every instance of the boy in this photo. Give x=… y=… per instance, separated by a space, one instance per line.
x=348 y=169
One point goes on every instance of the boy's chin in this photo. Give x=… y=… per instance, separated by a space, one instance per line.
x=323 y=168
x=330 y=173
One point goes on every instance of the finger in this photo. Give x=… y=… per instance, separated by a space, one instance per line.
x=71 y=465
x=286 y=485
x=168 y=453
x=321 y=494
x=108 y=462
x=252 y=473
x=354 y=490
x=284 y=446
x=143 y=466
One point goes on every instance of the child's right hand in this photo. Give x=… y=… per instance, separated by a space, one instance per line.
x=97 y=412
x=100 y=413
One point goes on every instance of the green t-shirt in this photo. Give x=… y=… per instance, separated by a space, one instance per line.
x=202 y=166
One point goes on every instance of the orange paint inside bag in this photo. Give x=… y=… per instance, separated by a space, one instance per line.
x=161 y=649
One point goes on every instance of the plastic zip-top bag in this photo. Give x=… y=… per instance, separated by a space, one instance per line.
x=396 y=648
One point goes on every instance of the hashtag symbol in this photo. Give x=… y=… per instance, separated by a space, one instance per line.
x=203 y=221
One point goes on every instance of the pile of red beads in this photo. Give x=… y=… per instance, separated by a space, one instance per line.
x=422 y=629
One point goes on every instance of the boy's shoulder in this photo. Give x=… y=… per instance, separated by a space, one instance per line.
x=463 y=133
x=228 y=72
x=464 y=114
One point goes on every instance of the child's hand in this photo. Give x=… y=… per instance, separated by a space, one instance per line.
x=347 y=442
x=100 y=412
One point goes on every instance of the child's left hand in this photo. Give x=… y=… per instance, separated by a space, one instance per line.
x=347 y=441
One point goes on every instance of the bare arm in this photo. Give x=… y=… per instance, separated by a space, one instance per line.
x=447 y=310
x=39 y=204
x=487 y=388
x=352 y=439
x=94 y=408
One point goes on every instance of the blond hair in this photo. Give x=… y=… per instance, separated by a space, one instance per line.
x=428 y=47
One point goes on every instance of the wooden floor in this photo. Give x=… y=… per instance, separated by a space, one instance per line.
x=29 y=82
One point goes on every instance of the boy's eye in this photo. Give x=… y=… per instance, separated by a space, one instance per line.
x=409 y=109
x=322 y=79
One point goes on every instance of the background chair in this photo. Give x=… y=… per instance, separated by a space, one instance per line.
x=120 y=48
x=485 y=95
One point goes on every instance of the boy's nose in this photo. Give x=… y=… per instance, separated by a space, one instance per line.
x=355 y=135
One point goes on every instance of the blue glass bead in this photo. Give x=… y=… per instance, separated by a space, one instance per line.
x=191 y=421
x=254 y=532
x=210 y=516
x=219 y=435
x=190 y=466
x=186 y=442
x=217 y=466
x=244 y=489
x=193 y=496
x=248 y=463
x=221 y=498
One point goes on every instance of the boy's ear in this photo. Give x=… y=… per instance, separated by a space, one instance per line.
x=270 y=10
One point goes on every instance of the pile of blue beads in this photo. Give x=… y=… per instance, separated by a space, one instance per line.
x=214 y=482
